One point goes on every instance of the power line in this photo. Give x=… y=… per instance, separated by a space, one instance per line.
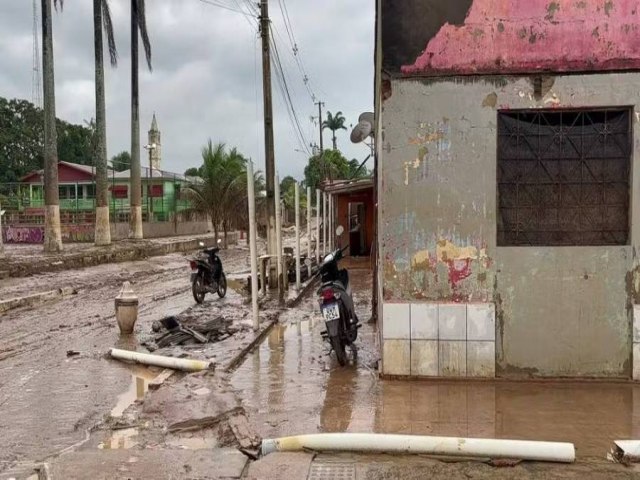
x=227 y=7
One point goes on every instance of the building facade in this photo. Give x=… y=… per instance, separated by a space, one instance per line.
x=509 y=213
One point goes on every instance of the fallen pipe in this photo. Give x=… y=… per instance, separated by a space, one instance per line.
x=448 y=446
x=160 y=361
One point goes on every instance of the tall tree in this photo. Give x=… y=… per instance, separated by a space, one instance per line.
x=336 y=165
x=121 y=162
x=334 y=123
x=102 y=19
x=138 y=26
x=52 y=230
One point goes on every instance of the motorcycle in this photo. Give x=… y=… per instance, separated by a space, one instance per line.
x=336 y=304
x=208 y=276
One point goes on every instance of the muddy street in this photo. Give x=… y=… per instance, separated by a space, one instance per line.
x=48 y=399
x=290 y=386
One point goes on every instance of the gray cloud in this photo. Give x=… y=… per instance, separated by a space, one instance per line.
x=206 y=79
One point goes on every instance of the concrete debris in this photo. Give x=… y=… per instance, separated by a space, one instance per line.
x=161 y=378
x=174 y=332
x=625 y=452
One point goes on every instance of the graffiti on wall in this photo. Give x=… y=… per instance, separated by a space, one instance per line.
x=35 y=234
x=433 y=145
x=23 y=234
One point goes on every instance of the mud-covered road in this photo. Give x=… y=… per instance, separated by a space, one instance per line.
x=48 y=399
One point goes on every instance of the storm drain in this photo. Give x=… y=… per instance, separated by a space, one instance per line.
x=332 y=471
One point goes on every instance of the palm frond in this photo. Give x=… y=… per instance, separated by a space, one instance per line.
x=108 y=29
x=142 y=25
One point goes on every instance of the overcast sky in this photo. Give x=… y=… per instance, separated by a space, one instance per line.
x=207 y=73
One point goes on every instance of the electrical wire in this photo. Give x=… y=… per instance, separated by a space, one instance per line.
x=227 y=7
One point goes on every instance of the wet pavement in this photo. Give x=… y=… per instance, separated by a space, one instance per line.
x=290 y=386
x=49 y=401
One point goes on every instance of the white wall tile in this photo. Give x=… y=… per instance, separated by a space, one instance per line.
x=481 y=321
x=424 y=321
x=424 y=358
x=481 y=359
x=452 y=321
x=396 y=321
x=452 y=358
x=396 y=357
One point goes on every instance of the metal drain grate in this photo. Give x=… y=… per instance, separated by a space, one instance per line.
x=332 y=471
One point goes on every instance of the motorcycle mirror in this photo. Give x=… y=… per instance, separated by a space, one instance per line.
x=339 y=230
x=201 y=244
x=307 y=262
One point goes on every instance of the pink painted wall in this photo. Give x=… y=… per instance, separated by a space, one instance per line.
x=523 y=36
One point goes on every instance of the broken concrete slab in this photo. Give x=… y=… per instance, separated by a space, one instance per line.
x=222 y=463
x=292 y=466
x=161 y=378
x=35 y=299
x=180 y=408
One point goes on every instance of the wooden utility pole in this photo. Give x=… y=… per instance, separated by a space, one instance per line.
x=269 y=156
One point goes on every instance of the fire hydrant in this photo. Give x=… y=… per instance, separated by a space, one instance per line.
x=126 y=309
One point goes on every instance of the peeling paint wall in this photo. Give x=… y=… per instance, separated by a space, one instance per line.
x=510 y=36
x=559 y=311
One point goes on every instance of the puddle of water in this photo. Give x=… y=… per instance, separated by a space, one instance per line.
x=237 y=286
x=140 y=378
x=120 y=439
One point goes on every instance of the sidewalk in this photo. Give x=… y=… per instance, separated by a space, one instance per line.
x=26 y=260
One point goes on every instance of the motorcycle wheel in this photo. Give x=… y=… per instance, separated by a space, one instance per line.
x=222 y=286
x=197 y=288
x=338 y=347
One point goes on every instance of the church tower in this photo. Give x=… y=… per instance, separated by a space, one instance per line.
x=154 y=138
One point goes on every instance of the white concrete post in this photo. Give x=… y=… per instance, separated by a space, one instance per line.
x=324 y=223
x=318 y=225
x=279 y=237
x=297 y=208
x=309 y=227
x=253 y=250
x=1 y=244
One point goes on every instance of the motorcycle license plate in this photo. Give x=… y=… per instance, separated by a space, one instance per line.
x=330 y=312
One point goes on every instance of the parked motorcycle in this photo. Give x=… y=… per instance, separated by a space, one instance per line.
x=336 y=304
x=208 y=276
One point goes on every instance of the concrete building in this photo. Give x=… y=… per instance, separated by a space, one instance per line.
x=509 y=214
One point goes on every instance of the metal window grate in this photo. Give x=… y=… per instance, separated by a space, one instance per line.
x=563 y=177
x=332 y=471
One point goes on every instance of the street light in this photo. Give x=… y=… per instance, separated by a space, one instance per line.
x=150 y=147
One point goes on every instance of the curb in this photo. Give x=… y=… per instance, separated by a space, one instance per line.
x=35 y=299
x=134 y=252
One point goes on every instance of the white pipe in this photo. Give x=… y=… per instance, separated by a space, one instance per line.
x=331 y=228
x=448 y=446
x=279 y=236
x=309 y=227
x=297 y=209
x=253 y=250
x=160 y=361
x=318 y=225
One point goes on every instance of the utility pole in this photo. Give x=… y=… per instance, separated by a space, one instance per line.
x=252 y=246
x=269 y=155
x=320 y=105
x=297 y=210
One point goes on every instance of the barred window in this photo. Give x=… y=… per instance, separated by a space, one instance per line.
x=563 y=177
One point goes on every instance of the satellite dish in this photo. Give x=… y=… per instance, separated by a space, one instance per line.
x=364 y=128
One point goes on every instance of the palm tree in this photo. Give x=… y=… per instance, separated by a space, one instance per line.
x=334 y=123
x=222 y=188
x=52 y=231
x=138 y=26
x=102 y=19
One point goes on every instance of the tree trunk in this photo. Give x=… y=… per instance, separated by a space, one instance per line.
x=226 y=241
x=52 y=230
x=335 y=144
x=135 y=195
x=103 y=229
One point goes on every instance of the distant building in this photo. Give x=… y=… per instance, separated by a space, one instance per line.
x=509 y=218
